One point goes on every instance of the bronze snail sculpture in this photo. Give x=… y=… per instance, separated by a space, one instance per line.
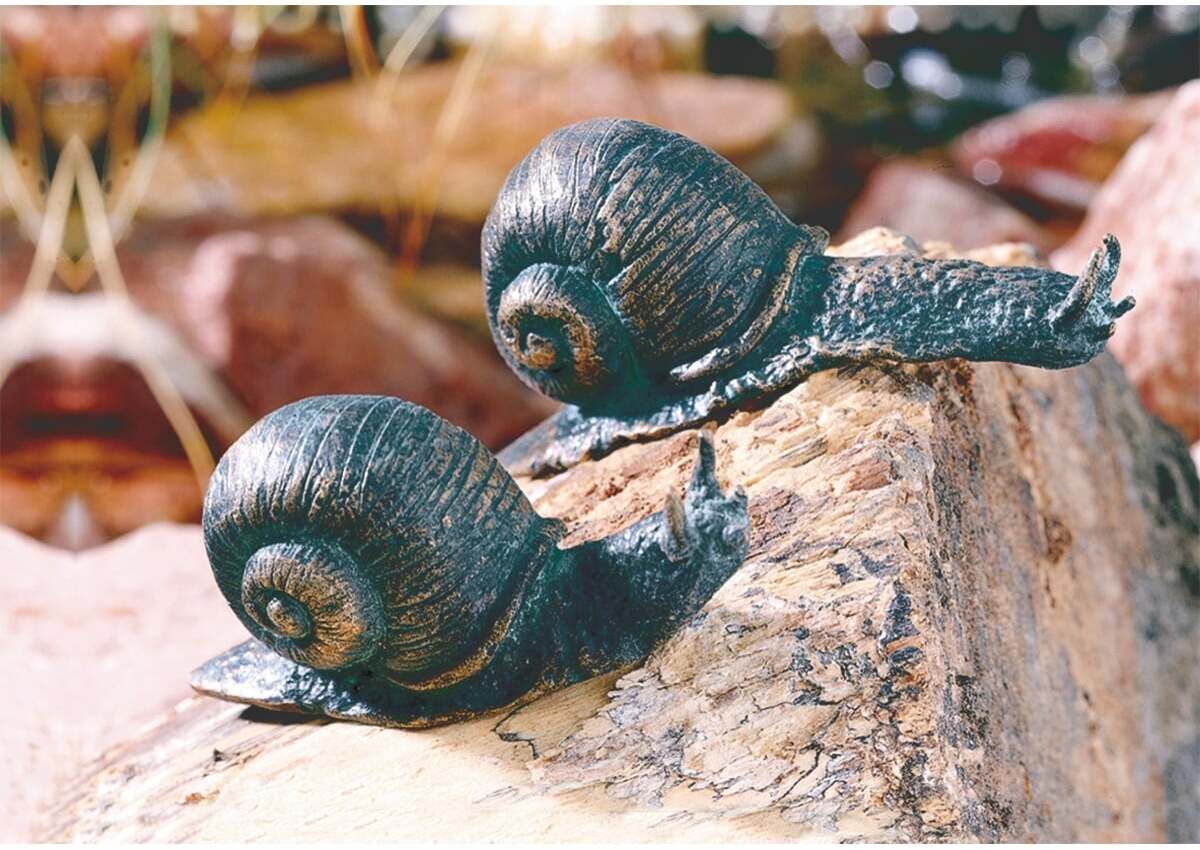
x=392 y=572
x=388 y=567
x=647 y=283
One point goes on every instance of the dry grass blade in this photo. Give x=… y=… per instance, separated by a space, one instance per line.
x=383 y=96
x=50 y=233
x=243 y=43
x=449 y=119
x=17 y=191
x=26 y=123
x=25 y=108
x=49 y=247
x=130 y=197
x=291 y=20
x=363 y=61
x=398 y=58
x=91 y=199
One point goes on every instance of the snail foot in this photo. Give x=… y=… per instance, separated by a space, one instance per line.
x=571 y=436
x=253 y=674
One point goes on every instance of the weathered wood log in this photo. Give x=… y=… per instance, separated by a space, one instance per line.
x=971 y=610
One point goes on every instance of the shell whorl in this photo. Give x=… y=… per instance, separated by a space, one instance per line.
x=557 y=326
x=617 y=230
x=312 y=604
x=364 y=530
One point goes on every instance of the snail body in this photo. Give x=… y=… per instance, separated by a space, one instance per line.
x=390 y=571
x=649 y=285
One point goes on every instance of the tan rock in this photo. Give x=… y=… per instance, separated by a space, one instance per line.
x=929 y=204
x=358 y=147
x=282 y=309
x=1152 y=204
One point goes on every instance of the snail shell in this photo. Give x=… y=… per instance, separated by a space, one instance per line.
x=647 y=283
x=391 y=571
x=621 y=256
x=359 y=530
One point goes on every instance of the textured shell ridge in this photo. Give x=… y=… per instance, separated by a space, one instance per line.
x=438 y=531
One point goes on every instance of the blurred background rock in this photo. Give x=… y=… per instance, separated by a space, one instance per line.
x=294 y=196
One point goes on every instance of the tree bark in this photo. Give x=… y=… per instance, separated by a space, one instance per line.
x=971 y=610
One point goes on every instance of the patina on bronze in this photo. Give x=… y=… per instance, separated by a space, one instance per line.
x=649 y=284
x=391 y=571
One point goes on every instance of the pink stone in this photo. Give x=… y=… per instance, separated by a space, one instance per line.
x=931 y=205
x=1058 y=150
x=1152 y=204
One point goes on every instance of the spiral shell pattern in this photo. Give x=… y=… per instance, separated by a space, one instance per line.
x=679 y=250
x=311 y=600
x=364 y=531
x=559 y=328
